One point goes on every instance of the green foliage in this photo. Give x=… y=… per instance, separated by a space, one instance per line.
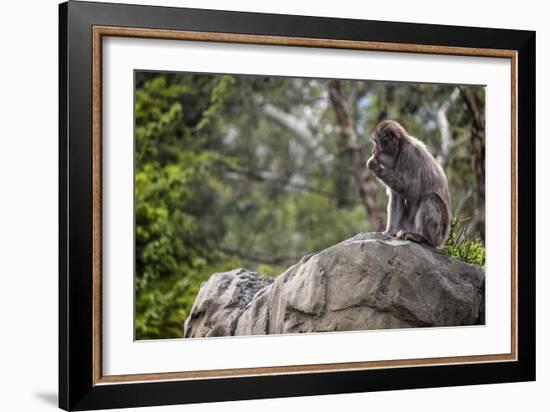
x=251 y=171
x=464 y=249
x=176 y=185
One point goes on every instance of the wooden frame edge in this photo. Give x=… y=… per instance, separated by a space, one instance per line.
x=97 y=229
x=97 y=35
x=514 y=217
x=297 y=369
x=297 y=41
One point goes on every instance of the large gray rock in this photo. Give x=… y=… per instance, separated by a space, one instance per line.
x=371 y=281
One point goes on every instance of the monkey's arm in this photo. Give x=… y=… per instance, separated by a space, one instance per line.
x=386 y=175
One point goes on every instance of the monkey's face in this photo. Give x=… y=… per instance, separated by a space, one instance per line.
x=386 y=147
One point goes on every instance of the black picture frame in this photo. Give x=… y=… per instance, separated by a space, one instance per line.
x=77 y=390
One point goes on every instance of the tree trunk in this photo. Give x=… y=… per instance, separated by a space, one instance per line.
x=365 y=183
x=444 y=128
x=477 y=147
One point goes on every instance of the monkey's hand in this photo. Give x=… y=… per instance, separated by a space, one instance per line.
x=374 y=166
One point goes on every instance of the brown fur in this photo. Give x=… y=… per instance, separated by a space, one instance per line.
x=419 y=206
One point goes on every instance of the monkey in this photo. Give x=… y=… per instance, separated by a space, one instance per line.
x=419 y=204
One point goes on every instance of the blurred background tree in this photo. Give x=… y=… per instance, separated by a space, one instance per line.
x=253 y=171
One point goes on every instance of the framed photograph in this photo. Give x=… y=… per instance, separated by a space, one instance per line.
x=257 y=206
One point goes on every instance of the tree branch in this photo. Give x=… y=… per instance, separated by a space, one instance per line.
x=266 y=176
x=300 y=128
x=297 y=126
